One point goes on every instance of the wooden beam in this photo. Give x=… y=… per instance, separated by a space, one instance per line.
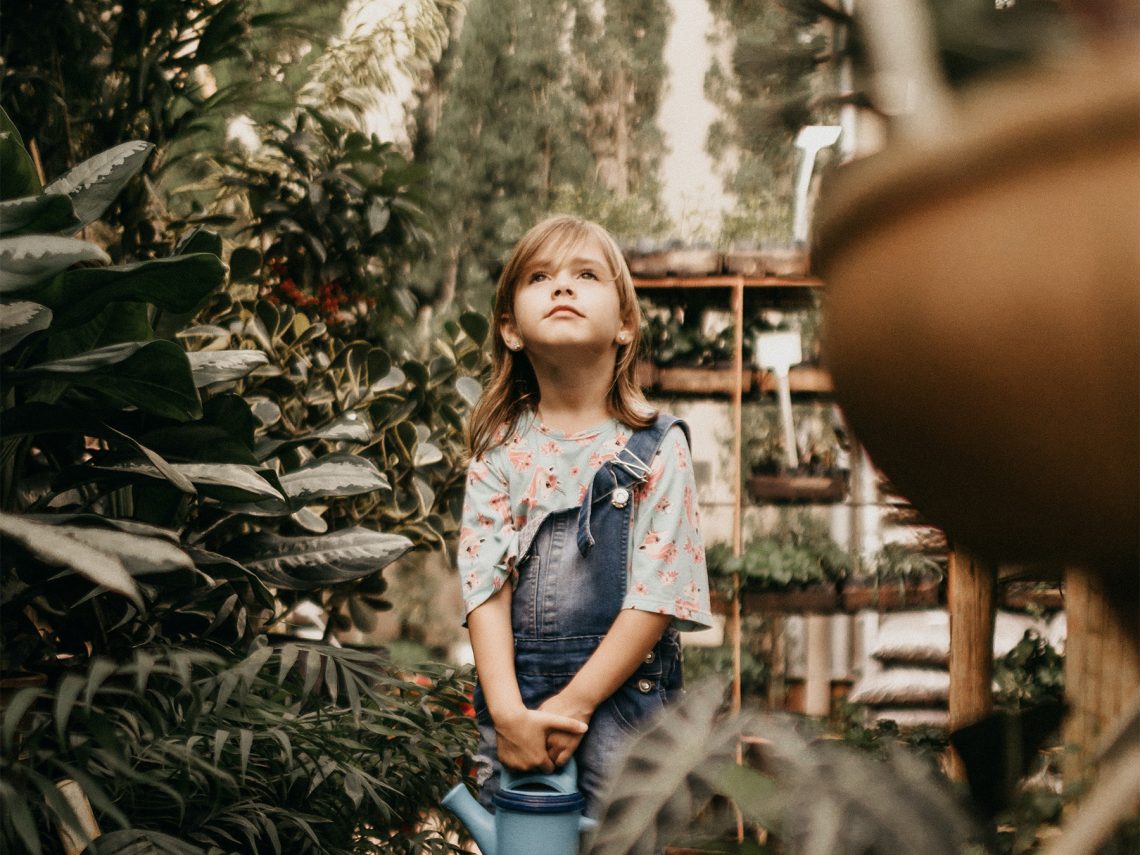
x=971 y=594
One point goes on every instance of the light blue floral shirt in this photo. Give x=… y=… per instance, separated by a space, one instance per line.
x=537 y=470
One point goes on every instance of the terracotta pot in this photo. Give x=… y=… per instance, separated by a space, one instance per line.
x=780 y=488
x=982 y=321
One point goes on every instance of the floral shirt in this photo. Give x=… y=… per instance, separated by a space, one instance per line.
x=537 y=470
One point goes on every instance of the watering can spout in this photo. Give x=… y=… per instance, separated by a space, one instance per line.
x=479 y=821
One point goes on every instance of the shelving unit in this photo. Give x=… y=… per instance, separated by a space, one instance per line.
x=733 y=381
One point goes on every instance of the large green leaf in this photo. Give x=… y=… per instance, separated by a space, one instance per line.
x=153 y=376
x=218 y=366
x=333 y=475
x=44 y=213
x=17 y=172
x=226 y=481
x=29 y=259
x=198 y=442
x=38 y=417
x=19 y=320
x=176 y=284
x=304 y=563
x=94 y=184
x=140 y=841
x=59 y=546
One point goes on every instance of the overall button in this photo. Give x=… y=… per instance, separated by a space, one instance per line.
x=620 y=497
x=649 y=657
x=644 y=686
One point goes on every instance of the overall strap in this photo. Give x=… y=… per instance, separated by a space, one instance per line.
x=615 y=478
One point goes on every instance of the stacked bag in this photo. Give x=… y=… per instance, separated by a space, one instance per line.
x=907 y=679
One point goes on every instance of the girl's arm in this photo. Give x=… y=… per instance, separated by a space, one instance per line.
x=623 y=649
x=521 y=733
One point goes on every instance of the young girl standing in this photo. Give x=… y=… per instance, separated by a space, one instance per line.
x=579 y=557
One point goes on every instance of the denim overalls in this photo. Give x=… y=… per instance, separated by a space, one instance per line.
x=573 y=571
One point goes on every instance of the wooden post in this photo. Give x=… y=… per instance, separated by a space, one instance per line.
x=817 y=686
x=971 y=592
x=1102 y=660
x=737 y=465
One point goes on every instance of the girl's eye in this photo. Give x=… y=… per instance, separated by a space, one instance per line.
x=537 y=276
x=587 y=274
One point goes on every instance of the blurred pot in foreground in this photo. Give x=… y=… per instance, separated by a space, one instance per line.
x=982 y=321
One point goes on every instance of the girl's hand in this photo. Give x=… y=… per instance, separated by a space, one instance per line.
x=523 y=735
x=560 y=744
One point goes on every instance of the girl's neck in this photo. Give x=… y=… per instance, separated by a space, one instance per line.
x=573 y=397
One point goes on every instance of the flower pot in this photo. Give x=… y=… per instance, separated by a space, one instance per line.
x=981 y=321
x=790 y=488
x=820 y=598
x=890 y=595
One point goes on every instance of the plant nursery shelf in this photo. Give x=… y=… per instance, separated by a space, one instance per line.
x=803 y=379
x=829 y=598
x=720 y=281
x=778 y=488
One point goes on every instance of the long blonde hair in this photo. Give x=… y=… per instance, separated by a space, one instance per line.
x=513 y=387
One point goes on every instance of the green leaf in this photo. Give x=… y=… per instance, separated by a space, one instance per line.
x=306 y=563
x=29 y=259
x=176 y=284
x=37 y=417
x=226 y=481
x=333 y=475
x=94 y=184
x=198 y=442
x=17 y=171
x=475 y=325
x=43 y=213
x=219 y=366
x=19 y=320
x=139 y=554
x=245 y=262
x=469 y=389
x=153 y=376
x=21 y=817
x=199 y=239
x=66 y=694
x=59 y=545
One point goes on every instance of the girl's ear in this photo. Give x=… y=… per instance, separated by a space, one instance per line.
x=625 y=332
x=510 y=334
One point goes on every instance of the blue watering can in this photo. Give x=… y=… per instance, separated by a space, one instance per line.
x=534 y=812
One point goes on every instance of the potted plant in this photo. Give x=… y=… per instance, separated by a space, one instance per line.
x=819 y=477
x=899 y=576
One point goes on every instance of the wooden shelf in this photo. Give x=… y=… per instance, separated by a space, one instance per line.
x=804 y=380
x=727 y=281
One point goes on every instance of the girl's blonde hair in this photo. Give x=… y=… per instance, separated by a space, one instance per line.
x=513 y=388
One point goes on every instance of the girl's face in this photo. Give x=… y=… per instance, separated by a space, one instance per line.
x=567 y=302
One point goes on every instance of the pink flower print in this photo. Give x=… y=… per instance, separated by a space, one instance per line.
x=662 y=505
x=689 y=501
x=516 y=441
x=656 y=470
x=650 y=539
x=582 y=488
x=470 y=542
x=519 y=522
x=470 y=581
x=641 y=589
x=682 y=608
x=620 y=439
x=542 y=483
x=682 y=457
x=521 y=459
x=476 y=473
x=692 y=590
x=497 y=582
x=485 y=521
x=667 y=577
x=695 y=552
x=654 y=548
x=573 y=471
x=500 y=434
x=551 y=447
x=501 y=503
x=600 y=457
x=667 y=553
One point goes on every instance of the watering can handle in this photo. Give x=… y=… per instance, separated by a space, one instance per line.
x=564 y=780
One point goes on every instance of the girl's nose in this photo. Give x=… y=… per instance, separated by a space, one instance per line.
x=561 y=289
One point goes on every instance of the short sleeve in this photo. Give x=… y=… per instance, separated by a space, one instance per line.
x=667 y=570
x=488 y=541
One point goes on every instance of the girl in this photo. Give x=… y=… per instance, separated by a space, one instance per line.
x=579 y=553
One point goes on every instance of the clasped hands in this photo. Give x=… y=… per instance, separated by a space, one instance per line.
x=541 y=739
